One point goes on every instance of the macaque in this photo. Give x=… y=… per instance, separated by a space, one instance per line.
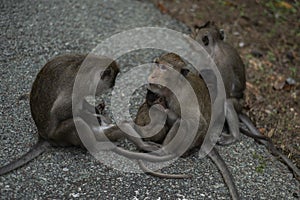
x=232 y=70
x=51 y=107
x=172 y=140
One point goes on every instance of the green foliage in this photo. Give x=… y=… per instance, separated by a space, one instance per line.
x=293 y=71
x=271 y=56
x=262 y=163
x=280 y=9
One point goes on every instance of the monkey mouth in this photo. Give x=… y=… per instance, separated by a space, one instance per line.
x=156 y=88
x=152 y=86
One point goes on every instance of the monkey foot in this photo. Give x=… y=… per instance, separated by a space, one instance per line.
x=227 y=139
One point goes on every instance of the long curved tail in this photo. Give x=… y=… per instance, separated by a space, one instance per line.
x=148 y=171
x=34 y=152
x=254 y=133
x=221 y=165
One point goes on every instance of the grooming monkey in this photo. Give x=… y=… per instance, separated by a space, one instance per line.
x=162 y=72
x=51 y=107
x=232 y=71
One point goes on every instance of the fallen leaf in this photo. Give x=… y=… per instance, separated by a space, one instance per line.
x=279 y=83
x=271 y=132
x=284 y=4
x=230 y=3
x=262 y=130
x=254 y=90
x=162 y=8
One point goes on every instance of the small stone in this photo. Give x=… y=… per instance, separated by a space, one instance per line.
x=290 y=81
x=65 y=169
x=290 y=55
x=241 y=44
x=75 y=195
x=256 y=53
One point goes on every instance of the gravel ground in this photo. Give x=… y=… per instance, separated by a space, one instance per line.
x=34 y=31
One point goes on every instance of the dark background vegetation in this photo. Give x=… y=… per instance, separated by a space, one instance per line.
x=267 y=36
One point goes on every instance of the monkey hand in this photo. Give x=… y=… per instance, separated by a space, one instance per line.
x=161 y=101
x=100 y=107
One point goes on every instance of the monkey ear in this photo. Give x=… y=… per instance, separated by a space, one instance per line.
x=196 y=26
x=205 y=40
x=156 y=60
x=184 y=71
x=207 y=24
x=222 y=34
x=106 y=72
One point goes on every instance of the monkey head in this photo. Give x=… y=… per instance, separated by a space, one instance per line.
x=164 y=72
x=208 y=35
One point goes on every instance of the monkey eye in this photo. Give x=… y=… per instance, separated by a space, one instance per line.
x=205 y=40
x=162 y=67
x=222 y=34
x=107 y=72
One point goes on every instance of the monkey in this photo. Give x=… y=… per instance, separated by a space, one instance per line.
x=142 y=117
x=51 y=107
x=232 y=70
x=162 y=72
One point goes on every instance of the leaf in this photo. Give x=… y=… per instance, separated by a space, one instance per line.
x=162 y=8
x=284 y=4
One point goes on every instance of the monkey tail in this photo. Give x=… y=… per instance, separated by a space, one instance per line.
x=217 y=159
x=254 y=133
x=40 y=147
x=159 y=174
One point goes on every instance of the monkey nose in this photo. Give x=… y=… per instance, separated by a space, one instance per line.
x=150 y=79
x=149 y=86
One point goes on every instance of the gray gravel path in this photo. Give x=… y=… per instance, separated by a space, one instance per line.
x=34 y=31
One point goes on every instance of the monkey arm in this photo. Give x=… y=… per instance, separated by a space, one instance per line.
x=125 y=130
x=174 y=141
x=171 y=117
x=89 y=107
x=104 y=129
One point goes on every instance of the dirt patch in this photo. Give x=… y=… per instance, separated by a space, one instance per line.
x=267 y=35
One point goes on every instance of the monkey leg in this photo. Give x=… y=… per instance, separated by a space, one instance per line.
x=91 y=139
x=233 y=125
x=61 y=110
x=217 y=159
x=254 y=133
x=66 y=133
x=108 y=131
